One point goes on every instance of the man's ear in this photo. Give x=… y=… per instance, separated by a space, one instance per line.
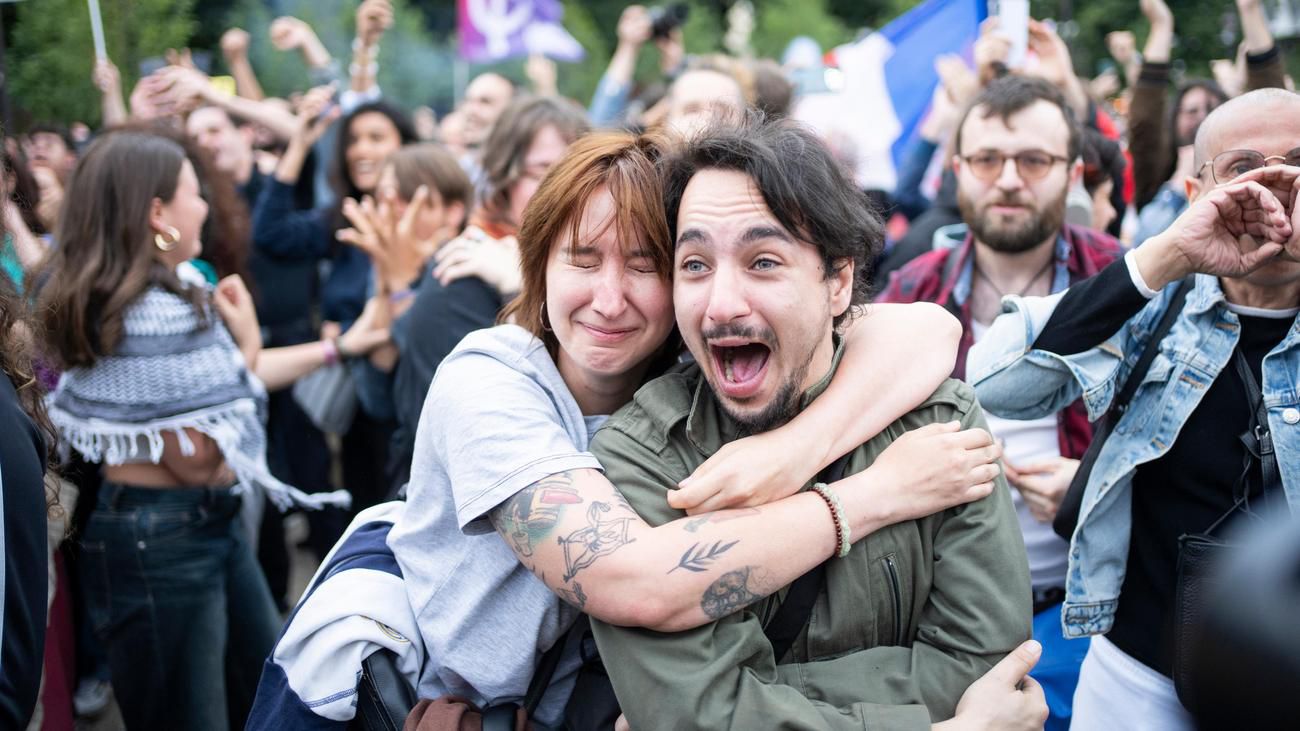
x=456 y=215
x=1076 y=171
x=841 y=286
x=1193 y=187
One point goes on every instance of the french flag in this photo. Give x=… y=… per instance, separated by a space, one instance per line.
x=889 y=78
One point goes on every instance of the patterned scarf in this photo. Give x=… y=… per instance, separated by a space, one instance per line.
x=171 y=373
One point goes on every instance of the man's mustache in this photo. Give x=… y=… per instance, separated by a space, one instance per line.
x=764 y=335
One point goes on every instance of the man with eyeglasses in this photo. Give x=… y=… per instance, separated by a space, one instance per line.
x=1016 y=156
x=1211 y=439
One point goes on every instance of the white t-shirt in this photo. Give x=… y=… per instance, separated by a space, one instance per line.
x=1026 y=442
x=497 y=418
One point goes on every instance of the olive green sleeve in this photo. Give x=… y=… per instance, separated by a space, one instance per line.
x=978 y=609
x=721 y=675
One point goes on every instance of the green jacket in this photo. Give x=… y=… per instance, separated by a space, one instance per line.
x=959 y=579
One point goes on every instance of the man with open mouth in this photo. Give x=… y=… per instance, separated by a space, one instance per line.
x=771 y=251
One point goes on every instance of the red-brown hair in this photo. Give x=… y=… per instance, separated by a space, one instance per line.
x=623 y=163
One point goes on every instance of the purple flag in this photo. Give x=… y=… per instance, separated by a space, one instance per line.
x=491 y=30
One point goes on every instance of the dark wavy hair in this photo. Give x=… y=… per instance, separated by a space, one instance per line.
x=340 y=181
x=1011 y=94
x=19 y=333
x=25 y=193
x=104 y=258
x=228 y=228
x=803 y=186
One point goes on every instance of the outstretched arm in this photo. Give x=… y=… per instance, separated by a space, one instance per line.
x=234 y=46
x=579 y=535
x=567 y=523
x=895 y=356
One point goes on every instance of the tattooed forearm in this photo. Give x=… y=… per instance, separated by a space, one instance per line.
x=698 y=557
x=720 y=516
x=729 y=594
x=528 y=516
x=575 y=597
x=602 y=536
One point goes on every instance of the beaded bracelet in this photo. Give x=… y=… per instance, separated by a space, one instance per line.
x=842 y=531
x=331 y=349
x=400 y=296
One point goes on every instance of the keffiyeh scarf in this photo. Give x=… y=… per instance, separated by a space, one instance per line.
x=170 y=372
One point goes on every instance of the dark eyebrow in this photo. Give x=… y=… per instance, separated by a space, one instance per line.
x=583 y=251
x=691 y=236
x=759 y=233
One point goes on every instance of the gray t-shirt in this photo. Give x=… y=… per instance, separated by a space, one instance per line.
x=497 y=418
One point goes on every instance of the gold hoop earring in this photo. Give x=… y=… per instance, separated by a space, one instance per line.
x=546 y=325
x=168 y=242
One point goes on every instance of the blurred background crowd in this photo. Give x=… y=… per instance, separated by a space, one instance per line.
x=366 y=167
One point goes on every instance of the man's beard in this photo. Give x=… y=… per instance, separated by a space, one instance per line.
x=784 y=405
x=1043 y=224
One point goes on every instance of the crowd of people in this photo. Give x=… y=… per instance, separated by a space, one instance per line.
x=645 y=415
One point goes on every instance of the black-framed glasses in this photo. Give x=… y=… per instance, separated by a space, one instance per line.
x=1230 y=163
x=1031 y=165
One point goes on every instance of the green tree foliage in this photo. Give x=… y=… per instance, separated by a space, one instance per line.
x=1204 y=30
x=780 y=20
x=52 y=55
x=413 y=67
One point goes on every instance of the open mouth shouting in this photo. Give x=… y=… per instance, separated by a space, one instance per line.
x=740 y=363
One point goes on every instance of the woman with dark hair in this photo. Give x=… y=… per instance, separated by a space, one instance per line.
x=366 y=137
x=168 y=397
x=22 y=188
x=226 y=231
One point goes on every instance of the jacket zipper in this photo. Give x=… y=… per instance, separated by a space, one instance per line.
x=898 y=600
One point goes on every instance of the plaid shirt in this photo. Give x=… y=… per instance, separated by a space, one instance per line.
x=944 y=276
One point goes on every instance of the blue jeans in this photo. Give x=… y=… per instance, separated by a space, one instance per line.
x=1058 y=667
x=176 y=596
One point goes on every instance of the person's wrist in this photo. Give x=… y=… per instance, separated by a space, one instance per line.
x=865 y=506
x=371 y=69
x=843 y=531
x=1159 y=261
x=400 y=294
x=340 y=344
x=330 y=349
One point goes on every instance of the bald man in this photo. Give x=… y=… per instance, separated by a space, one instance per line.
x=485 y=98
x=698 y=94
x=1213 y=430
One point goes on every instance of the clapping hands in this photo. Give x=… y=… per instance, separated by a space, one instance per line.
x=389 y=239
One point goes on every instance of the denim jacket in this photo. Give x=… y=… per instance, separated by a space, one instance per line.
x=1015 y=381
x=1157 y=215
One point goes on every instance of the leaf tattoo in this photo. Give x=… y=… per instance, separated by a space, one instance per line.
x=698 y=557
